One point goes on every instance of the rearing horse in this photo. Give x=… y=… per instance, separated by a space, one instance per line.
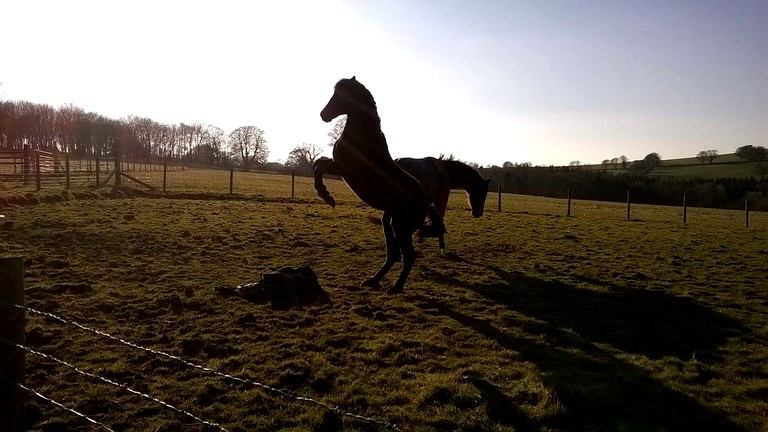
x=361 y=157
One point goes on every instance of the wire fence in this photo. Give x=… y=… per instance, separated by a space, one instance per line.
x=284 y=393
x=60 y=405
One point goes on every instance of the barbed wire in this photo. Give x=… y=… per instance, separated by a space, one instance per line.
x=281 y=392
x=108 y=381
x=58 y=404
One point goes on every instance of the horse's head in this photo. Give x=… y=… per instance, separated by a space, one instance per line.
x=351 y=98
x=477 y=194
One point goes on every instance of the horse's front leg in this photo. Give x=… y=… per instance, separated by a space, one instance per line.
x=324 y=165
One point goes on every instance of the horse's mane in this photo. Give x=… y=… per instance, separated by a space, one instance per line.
x=460 y=167
x=359 y=93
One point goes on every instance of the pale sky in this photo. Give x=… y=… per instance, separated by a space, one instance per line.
x=546 y=82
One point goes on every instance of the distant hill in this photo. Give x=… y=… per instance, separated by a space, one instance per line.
x=724 y=166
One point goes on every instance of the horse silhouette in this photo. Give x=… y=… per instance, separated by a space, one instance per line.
x=361 y=157
x=439 y=176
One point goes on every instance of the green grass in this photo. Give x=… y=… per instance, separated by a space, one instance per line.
x=707 y=171
x=724 y=166
x=539 y=322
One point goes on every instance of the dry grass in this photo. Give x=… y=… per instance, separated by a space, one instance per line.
x=539 y=322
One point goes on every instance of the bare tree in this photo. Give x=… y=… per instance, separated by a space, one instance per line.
x=164 y=139
x=337 y=129
x=141 y=128
x=303 y=156
x=214 y=140
x=67 y=118
x=624 y=161
x=707 y=156
x=249 y=143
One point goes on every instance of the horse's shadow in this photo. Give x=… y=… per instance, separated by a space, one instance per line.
x=583 y=329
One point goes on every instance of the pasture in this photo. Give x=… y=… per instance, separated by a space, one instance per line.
x=539 y=322
x=724 y=166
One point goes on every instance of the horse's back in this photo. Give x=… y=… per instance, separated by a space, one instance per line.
x=432 y=176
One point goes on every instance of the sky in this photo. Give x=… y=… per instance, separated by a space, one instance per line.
x=545 y=82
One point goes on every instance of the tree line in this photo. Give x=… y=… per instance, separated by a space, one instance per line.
x=602 y=185
x=87 y=134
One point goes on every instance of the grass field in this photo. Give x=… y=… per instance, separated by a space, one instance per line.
x=724 y=166
x=539 y=322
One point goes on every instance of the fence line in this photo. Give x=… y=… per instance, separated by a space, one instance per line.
x=282 y=392
x=58 y=404
x=108 y=381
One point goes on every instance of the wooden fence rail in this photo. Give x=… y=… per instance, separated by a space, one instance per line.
x=59 y=168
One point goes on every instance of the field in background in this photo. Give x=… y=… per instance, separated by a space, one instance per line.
x=724 y=166
x=538 y=322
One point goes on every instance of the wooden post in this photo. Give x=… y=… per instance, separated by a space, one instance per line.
x=231 y=176
x=685 y=210
x=38 y=179
x=165 y=171
x=628 y=206
x=12 y=401
x=25 y=167
x=97 y=169
x=118 y=164
x=293 y=183
x=499 y=199
x=66 y=168
x=746 y=212
x=569 y=203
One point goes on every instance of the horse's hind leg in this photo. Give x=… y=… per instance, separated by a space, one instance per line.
x=393 y=252
x=403 y=227
x=404 y=236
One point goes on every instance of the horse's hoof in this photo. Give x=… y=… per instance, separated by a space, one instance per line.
x=395 y=290
x=370 y=283
x=330 y=201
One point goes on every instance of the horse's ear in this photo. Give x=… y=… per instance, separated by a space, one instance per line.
x=353 y=78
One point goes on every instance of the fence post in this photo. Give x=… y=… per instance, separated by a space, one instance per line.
x=685 y=210
x=293 y=183
x=66 y=168
x=499 y=199
x=569 y=203
x=12 y=401
x=25 y=167
x=231 y=176
x=96 y=154
x=628 y=206
x=165 y=171
x=118 y=165
x=746 y=212
x=38 y=179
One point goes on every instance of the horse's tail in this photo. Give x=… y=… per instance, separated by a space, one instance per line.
x=433 y=226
